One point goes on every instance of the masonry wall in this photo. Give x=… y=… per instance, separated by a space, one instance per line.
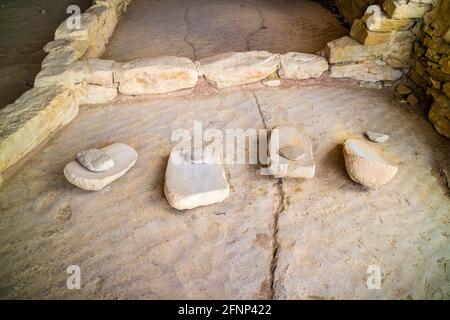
x=428 y=22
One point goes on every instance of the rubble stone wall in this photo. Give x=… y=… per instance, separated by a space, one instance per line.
x=411 y=35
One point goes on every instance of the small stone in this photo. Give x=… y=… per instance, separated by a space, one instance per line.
x=293 y=153
x=124 y=158
x=366 y=166
x=377 y=136
x=412 y=100
x=191 y=184
x=403 y=89
x=43 y=11
x=95 y=160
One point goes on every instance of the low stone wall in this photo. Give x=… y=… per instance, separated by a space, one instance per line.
x=54 y=100
x=431 y=68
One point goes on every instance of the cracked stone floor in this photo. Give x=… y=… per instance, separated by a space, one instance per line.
x=201 y=28
x=281 y=239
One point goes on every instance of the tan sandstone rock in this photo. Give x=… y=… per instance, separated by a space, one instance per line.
x=34 y=116
x=397 y=52
x=94 y=94
x=439 y=113
x=370 y=71
x=297 y=66
x=88 y=24
x=380 y=21
x=238 y=68
x=365 y=165
x=400 y=9
x=155 y=75
x=360 y=32
x=94 y=71
x=124 y=158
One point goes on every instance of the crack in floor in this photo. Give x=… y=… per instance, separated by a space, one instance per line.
x=188 y=27
x=261 y=26
x=281 y=206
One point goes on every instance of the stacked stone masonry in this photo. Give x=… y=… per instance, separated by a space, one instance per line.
x=392 y=35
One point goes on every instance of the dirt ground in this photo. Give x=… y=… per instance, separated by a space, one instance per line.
x=25 y=27
x=201 y=28
x=129 y=243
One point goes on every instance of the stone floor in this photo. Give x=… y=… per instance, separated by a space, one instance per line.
x=129 y=243
x=201 y=28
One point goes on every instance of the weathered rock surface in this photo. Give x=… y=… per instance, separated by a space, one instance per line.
x=124 y=158
x=94 y=94
x=439 y=113
x=382 y=23
x=95 y=160
x=155 y=75
x=192 y=183
x=290 y=153
x=93 y=71
x=377 y=136
x=88 y=24
x=365 y=166
x=400 y=9
x=397 y=52
x=370 y=71
x=31 y=119
x=297 y=66
x=272 y=81
x=360 y=32
x=238 y=68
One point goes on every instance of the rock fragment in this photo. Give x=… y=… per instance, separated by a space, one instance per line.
x=377 y=136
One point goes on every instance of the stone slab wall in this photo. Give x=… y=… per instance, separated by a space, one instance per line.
x=431 y=67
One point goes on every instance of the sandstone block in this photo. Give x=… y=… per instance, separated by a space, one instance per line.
x=238 y=68
x=439 y=113
x=366 y=166
x=377 y=20
x=124 y=158
x=88 y=25
x=94 y=94
x=155 y=75
x=360 y=32
x=191 y=183
x=297 y=66
x=398 y=9
x=34 y=116
x=370 y=71
x=346 y=49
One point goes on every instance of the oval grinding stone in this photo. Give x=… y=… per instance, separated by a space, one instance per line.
x=124 y=158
